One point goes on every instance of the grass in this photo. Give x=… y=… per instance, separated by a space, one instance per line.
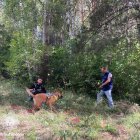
x=132 y=122
x=111 y=129
x=77 y=118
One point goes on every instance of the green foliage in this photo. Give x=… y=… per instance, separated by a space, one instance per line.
x=133 y=121
x=25 y=55
x=58 y=65
x=76 y=117
x=4 y=49
x=111 y=129
x=59 y=124
x=72 y=63
x=58 y=11
x=124 y=65
x=83 y=72
x=80 y=71
x=31 y=135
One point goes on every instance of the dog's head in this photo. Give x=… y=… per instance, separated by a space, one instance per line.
x=58 y=93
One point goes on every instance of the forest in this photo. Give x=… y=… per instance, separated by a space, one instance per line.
x=66 y=42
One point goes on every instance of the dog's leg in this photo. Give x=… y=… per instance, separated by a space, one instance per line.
x=35 y=108
x=52 y=108
x=34 y=105
x=37 y=104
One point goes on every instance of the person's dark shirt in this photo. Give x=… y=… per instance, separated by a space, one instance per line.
x=109 y=85
x=38 y=88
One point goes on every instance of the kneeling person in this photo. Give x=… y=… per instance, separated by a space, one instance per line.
x=36 y=88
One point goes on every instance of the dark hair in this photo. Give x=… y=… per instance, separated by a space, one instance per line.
x=40 y=79
x=104 y=66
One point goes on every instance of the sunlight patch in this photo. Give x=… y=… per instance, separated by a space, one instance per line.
x=9 y=121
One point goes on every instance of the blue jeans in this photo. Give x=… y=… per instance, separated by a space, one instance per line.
x=108 y=95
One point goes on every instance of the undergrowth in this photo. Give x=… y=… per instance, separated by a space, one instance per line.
x=77 y=117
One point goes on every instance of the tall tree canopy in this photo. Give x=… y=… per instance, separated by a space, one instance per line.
x=66 y=41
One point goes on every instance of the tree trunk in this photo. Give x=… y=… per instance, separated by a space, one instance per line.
x=45 y=24
x=29 y=70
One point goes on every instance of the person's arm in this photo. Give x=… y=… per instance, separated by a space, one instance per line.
x=107 y=81
x=30 y=89
x=29 y=92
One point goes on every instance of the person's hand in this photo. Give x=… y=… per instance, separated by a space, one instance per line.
x=100 y=86
x=97 y=84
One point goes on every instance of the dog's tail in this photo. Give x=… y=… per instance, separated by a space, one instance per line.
x=29 y=92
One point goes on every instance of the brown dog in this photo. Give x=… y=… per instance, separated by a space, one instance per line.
x=44 y=98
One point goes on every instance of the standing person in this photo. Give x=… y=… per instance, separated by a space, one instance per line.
x=36 y=88
x=106 y=86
